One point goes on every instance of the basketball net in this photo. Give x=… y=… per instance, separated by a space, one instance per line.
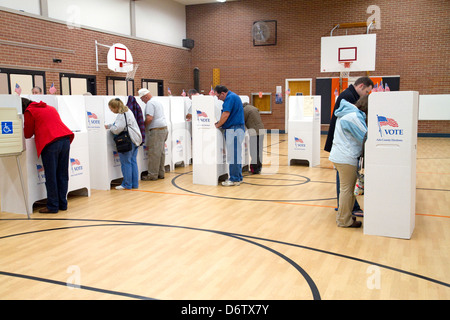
x=346 y=72
x=130 y=74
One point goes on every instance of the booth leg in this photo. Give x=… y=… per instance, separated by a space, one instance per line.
x=25 y=197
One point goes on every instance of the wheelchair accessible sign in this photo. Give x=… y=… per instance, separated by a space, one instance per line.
x=7 y=127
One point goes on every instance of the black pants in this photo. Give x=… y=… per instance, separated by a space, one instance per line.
x=256 y=153
x=55 y=158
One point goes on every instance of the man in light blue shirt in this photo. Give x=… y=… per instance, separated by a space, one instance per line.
x=156 y=124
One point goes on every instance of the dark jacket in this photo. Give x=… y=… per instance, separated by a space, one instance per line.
x=351 y=96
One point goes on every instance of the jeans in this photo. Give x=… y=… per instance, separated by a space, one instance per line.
x=55 y=159
x=234 y=137
x=129 y=168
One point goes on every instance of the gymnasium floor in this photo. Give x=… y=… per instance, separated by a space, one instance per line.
x=272 y=238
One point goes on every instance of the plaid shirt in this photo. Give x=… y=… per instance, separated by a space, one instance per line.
x=137 y=111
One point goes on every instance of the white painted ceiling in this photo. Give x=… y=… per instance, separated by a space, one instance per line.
x=191 y=2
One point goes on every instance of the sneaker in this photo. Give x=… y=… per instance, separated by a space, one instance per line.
x=229 y=183
x=358 y=213
x=120 y=188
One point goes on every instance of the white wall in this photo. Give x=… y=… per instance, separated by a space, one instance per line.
x=29 y=6
x=110 y=15
x=434 y=107
x=161 y=20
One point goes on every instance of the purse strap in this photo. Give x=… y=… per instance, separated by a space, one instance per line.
x=126 y=123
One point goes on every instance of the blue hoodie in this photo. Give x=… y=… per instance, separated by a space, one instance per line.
x=349 y=134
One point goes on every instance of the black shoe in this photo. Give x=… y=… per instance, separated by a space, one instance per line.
x=47 y=210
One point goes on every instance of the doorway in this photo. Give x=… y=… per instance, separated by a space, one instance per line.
x=295 y=87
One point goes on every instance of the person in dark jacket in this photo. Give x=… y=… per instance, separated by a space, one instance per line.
x=360 y=88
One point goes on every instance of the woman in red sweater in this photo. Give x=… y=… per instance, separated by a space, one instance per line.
x=53 y=139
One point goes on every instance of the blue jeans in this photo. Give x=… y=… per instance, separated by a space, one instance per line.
x=129 y=168
x=55 y=159
x=234 y=136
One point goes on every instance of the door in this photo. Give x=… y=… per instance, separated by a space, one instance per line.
x=296 y=87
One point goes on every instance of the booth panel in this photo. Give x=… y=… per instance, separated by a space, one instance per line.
x=390 y=164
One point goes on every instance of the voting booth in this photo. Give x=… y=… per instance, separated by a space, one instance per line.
x=71 y=111
x=304 y=129
x=390 y=164
x=104 y=158
x=12 y=145
x=188 y=109
x=208 y=144
x=180 y=136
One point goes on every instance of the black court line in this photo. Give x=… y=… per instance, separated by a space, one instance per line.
x=233 y=235
x=310 y=282
x=174 y=183
x=61 y=283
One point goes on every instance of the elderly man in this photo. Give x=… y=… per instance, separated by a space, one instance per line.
x=255 y=129
x=156 y=124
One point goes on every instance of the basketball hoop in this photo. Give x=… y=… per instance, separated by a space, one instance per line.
x=345 y=73
x=132 y=72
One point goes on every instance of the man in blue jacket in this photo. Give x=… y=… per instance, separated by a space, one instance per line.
x=232 y=121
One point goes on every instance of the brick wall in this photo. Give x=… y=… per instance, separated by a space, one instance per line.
x=172 y=65
x=414 y=42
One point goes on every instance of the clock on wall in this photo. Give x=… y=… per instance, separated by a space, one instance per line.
x=264 y=33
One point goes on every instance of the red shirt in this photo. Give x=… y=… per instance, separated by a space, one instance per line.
x=44 y=122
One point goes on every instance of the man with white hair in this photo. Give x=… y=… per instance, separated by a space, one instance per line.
x=155 y=123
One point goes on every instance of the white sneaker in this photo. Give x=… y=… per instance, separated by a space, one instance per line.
x=120 y=188
x=228 y=183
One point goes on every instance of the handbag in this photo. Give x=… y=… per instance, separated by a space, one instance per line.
x=123 y=139
x=359 y=186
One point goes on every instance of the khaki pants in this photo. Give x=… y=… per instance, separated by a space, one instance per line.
x=156 y=153
x=347 y=177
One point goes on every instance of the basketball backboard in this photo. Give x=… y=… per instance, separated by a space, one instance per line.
x=119 y=58
x=348 y=53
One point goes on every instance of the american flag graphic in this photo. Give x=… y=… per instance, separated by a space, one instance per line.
x=383 y=121
x=91 y=115
x=298 y=140
x=74 y=162
x=201 y=114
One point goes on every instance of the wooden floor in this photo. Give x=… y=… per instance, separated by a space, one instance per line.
x=274 y=237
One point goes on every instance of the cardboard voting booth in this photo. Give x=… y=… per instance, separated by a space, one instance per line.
x=304 y=129
x=390 y=164
x=71 y=110
x=188 y=109
x=12 y=145
x=105 y=162
x=208 y=149
x=180 y=134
